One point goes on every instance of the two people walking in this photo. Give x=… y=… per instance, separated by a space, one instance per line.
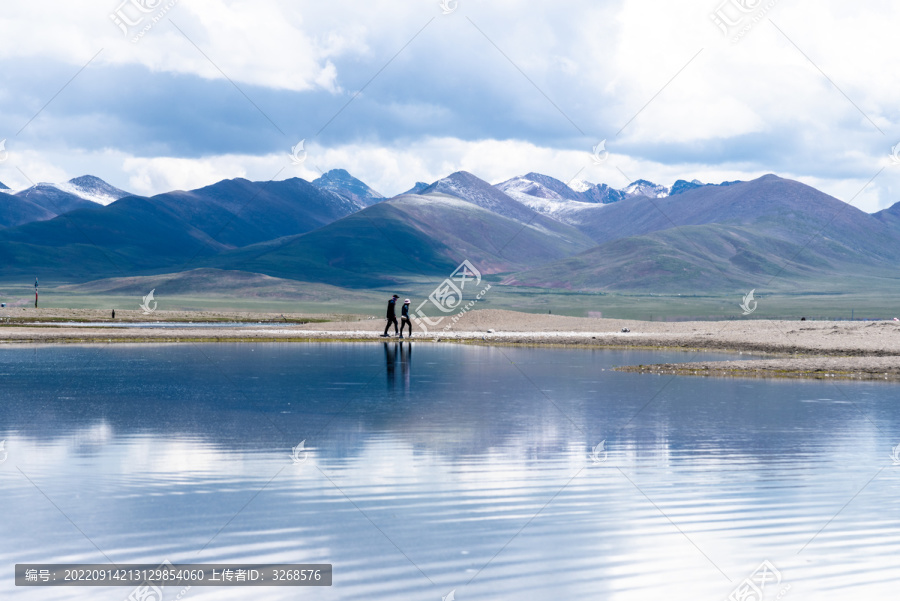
x=392 y=317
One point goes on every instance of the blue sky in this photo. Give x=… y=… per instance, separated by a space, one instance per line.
x=401 y=92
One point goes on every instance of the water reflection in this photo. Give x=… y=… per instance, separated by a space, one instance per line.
x=391 y=352
x=158 y=451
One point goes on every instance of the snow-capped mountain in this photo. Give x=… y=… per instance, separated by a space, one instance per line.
x=579 y=185
x=525 y=186
x=682 y=186
x=544 y=184
x=53 y=199
x=576 y=203
x=44 y=201
x=642 y=187
x=94 y=189
x=344 y=184
x=475 y=191
x=547 y=195
x=539 y=186
x=3 y=186
x=602 y=194
x=86 y=187
x=463 y=184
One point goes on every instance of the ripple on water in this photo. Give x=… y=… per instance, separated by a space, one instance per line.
x=446 y=469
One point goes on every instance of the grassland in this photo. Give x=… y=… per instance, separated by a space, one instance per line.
x=298 y=297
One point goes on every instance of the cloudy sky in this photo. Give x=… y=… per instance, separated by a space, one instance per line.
x=153 y=95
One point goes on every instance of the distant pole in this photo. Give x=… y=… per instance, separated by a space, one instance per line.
x=851 y=314
x=35 y=291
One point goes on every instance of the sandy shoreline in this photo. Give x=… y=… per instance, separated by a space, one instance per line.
x=845 y=350
x=819 y=368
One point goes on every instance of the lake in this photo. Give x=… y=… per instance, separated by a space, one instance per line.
x=428 y=469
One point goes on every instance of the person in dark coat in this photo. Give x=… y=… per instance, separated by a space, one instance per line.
x=404 y=318
x=391 y=316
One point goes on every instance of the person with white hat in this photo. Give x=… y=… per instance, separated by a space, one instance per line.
x=404 y=318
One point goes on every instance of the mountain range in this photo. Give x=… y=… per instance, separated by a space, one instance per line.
x=45 y=201
x=532 y=230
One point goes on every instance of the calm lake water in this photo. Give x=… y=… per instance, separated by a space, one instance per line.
x=438 y=468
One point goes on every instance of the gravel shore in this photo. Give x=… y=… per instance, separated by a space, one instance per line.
x=849 y=350
x=819 y=368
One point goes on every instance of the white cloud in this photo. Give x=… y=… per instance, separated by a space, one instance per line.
x=264 y=43
x=161 y=174
x=600 y=62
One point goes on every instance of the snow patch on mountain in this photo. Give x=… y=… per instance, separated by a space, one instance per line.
x=341 y=182
x=564 y=202
x=454 y=201
x=521 y=186
x=478 y=192
x=86 y=187
x=461 y=188
x=558 y=187
x=565 y=211
x=436 y=198
x=468 y=187
x=347 y=204
x=603 y=194
x=682 y=186
x=580 y=185
x=642 y=187
x=580 y=191
x=94 y=189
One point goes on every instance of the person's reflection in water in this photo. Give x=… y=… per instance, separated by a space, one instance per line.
x=390 y=357
x=405 y=359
